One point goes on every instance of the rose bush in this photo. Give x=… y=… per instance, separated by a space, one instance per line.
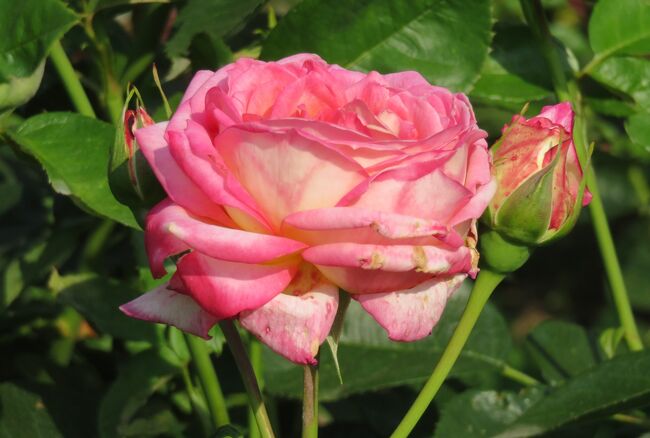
x=287 y=180
x=539 y=177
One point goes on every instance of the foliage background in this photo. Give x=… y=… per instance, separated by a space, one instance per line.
x=72 y=365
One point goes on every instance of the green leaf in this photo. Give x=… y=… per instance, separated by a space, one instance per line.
x=11 y=188
x=615 y=385
x=27 y=30
x=23 y=415
x=484 y=413
x=610 y=339
x=74 y=150
x=628 y=75
x=98 y=5
x=610 y=107
x=370 y=361
x=217 y=18
x=98 y=300
x=560 y=350
x=17 y=91
x=140 y=377
x=620 y=27
x=12 y=283
x=445 y=40
x=515 y=71
x=228 y=431
x=638 y=128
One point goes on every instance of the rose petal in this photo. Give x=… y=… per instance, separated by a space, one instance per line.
x=194 y=152
x=166 y=306
x=178 y=186
x=409 y=315
x=359 y=225
x=226 y=288
x=287 y=172
x=361 y=269
x=476 y=206
x=562 y=114
x=295 y=326
x=393 y=258
x=422 y=191
x=170 y=230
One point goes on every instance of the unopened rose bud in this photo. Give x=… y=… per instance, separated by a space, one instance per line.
x=131 y=179
x=540 y=181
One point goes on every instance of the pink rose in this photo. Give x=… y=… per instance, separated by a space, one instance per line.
x=290 y=179
x=539 y=177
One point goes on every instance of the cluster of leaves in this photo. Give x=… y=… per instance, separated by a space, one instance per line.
x=70 y=253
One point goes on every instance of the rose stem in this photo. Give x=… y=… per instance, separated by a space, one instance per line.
x=70 y=80
x=209 y=381
x=310 y=402
x=485 y=284
x=248 y=376
x=534 y=14
x=195 y=400
x=255 y=351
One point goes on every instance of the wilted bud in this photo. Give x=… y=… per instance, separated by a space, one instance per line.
x=539 y=178
x=131 y=179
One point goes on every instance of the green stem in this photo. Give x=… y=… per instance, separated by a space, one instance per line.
x=518 y=376
x=255 y=350
x=569 y=91
x=209 y=380
x=310 y=402
x=532 y=11
x=485 y=284
x=196 y=402
x=248 y=376
x=612 y=266
x=70 y=80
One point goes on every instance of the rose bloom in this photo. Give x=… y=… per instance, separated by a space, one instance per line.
x=539 y=177
x=289 y=180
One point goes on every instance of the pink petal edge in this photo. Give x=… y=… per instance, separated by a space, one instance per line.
x=409 y=315
x=295 y=326
x=165 y=306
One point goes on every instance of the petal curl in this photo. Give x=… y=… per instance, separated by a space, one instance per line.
x=166 y=306
x=418 y=190
x=393 y=258
x=360 y=225
x=362 y=269
x=409 y=315
x=226 y=288
x=178 y=186
x=170 y=230
x=295 y=326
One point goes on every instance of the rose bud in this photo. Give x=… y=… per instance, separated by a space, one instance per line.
x=289 y=180
x=130 y=176
x=540 y=184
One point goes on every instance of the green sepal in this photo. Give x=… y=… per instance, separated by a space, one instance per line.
x=336 y=330
x=568 y=225
x=500 y=254
x=525 y=215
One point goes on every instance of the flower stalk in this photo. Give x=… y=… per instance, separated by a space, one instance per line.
x=568 y=90
x=310 y=402
x=248 y=376
x=485 y=284
x=70 y=80
x=209 y=381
